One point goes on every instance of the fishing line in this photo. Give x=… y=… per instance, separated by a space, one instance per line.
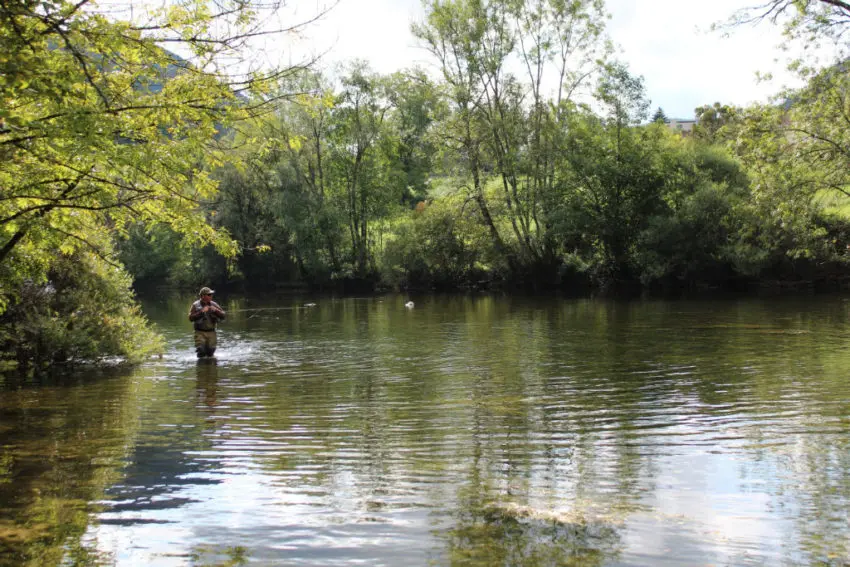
x=269 y=309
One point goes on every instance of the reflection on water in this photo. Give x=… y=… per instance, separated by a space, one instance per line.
x=463 y=431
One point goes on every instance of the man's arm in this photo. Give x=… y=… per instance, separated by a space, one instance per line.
x=195 y=312
x=217 y=310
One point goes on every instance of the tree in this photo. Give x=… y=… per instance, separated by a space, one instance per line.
x=569 y=39
x=300 y=135
x=613 y=181
x=505 y=125
x=689 y=240
x=806 y=20
x=416 y=105
x=358 y=170
x=710 y=120
x=102 y=127
x=455 y=33
x=659 y=116
x=623 y=97
x=797 y=148
x=798 y=154
x=289 y=186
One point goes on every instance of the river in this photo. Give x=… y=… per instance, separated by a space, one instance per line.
x=466 y=430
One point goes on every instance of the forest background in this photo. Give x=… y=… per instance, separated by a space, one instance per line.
x=144 y=150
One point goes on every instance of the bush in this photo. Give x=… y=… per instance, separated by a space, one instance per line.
x=684 y=245
x=434 y=248
x=84 y=313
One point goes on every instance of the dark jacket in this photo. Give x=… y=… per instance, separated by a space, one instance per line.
x=205 y=321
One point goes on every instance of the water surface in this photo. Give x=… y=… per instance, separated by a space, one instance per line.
x=471 y=431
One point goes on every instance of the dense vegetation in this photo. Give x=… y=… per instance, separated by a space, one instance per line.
x=530 y=163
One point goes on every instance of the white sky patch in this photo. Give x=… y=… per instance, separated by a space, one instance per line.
x=668 y=42
x=685 y=64
x=377 y=31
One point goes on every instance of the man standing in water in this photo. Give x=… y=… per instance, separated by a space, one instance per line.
x=205 y=315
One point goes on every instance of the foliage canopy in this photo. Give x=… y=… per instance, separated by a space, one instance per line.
x=102 y=127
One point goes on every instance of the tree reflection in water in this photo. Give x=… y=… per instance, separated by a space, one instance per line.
x=62 y=441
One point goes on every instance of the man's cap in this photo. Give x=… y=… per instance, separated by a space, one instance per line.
x=206 y=291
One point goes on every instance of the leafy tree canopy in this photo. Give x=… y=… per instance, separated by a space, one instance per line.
x=711 y=118
x=807 y=20
x=102 y=127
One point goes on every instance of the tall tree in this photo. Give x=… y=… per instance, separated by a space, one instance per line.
x=798 y=147
x=710 y=120
x=416 y=105
x=358 y=172
x=102 y=127
x=569 y=39
x=455 y=33
x=506 y=124
x=291 y=156
x=613 y=183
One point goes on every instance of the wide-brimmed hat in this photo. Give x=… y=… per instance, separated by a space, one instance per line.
x=206 y=291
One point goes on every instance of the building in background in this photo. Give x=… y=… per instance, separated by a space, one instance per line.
x=682 y=125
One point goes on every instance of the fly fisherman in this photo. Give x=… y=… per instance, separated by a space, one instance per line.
x=205 y=315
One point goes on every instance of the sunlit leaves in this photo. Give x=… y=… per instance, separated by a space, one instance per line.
x=797 y=152
x=808 y=21
x=102 y=128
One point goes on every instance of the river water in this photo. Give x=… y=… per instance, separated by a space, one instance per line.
x=467 y=430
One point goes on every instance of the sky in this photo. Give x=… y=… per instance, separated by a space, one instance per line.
x=669 y=42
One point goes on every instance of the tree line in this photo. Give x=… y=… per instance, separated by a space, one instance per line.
x=527 y=162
